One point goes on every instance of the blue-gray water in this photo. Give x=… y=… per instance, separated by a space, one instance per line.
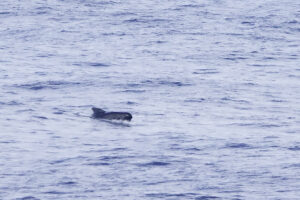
x=213 y=87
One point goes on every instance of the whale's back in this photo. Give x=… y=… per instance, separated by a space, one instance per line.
x=99 y=113
x=118 y=116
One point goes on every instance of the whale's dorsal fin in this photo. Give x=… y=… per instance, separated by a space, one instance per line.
x=98 y=112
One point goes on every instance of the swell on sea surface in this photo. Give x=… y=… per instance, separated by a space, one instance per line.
x=213 y=87
x=47 y=85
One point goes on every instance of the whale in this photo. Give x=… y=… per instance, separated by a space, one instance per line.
x=98 y=113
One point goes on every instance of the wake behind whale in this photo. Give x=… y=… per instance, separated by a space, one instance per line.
x=101 y=114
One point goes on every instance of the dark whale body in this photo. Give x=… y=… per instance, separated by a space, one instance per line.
x=101 y=114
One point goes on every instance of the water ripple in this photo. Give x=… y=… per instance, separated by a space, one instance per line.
x=214 y=85
x=28 y=198
x=47 y=85
x=154 y=164
x=238 y=146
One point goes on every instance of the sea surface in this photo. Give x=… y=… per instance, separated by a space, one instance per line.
x=213 y=87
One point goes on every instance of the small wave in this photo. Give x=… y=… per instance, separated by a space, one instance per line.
x=64 y=160
x=108 y=158
x=277 y=101
x=119 y=149
x=225 y=99
x=95 y=64
x=8 y=142
x=118 y=14
x=5 y=13
x=159 y=82
x=42 y=10
x=59 y=161
x=165 y=195
x=238 y=146
x=45 y=55
x=154 y=164
x=119 y=34
x=133 y=85
x=58 y=112
x=193 y=149
x=248 y=23
x=295 y=29
x=257 y=125
x=67 y=183
x=131 y=103
x=250 y=84
x=160 y=42
x=235 y=58
x=174 y=83
x=293 y=22
x=206 y=197
x=11 y=103
x=206 y=71
x=132 y=20
x=269 y=58
x=134 y=91
x=146 y=21
x=46 y=85
x=193 y=6
x=55 y=192
x=28 y=198
x=295 y=148
x=264 y=125
x=40 y=117
x=98 y=164
x=199 y=100
x=99 y=3
x=128 y=85
x=296 y=165
x=91 y=64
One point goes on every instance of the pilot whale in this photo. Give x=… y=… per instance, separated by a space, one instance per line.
x=101 y=114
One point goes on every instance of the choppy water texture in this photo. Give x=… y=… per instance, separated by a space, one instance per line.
x=213 y=87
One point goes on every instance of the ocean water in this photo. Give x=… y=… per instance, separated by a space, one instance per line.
x=213 y=87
